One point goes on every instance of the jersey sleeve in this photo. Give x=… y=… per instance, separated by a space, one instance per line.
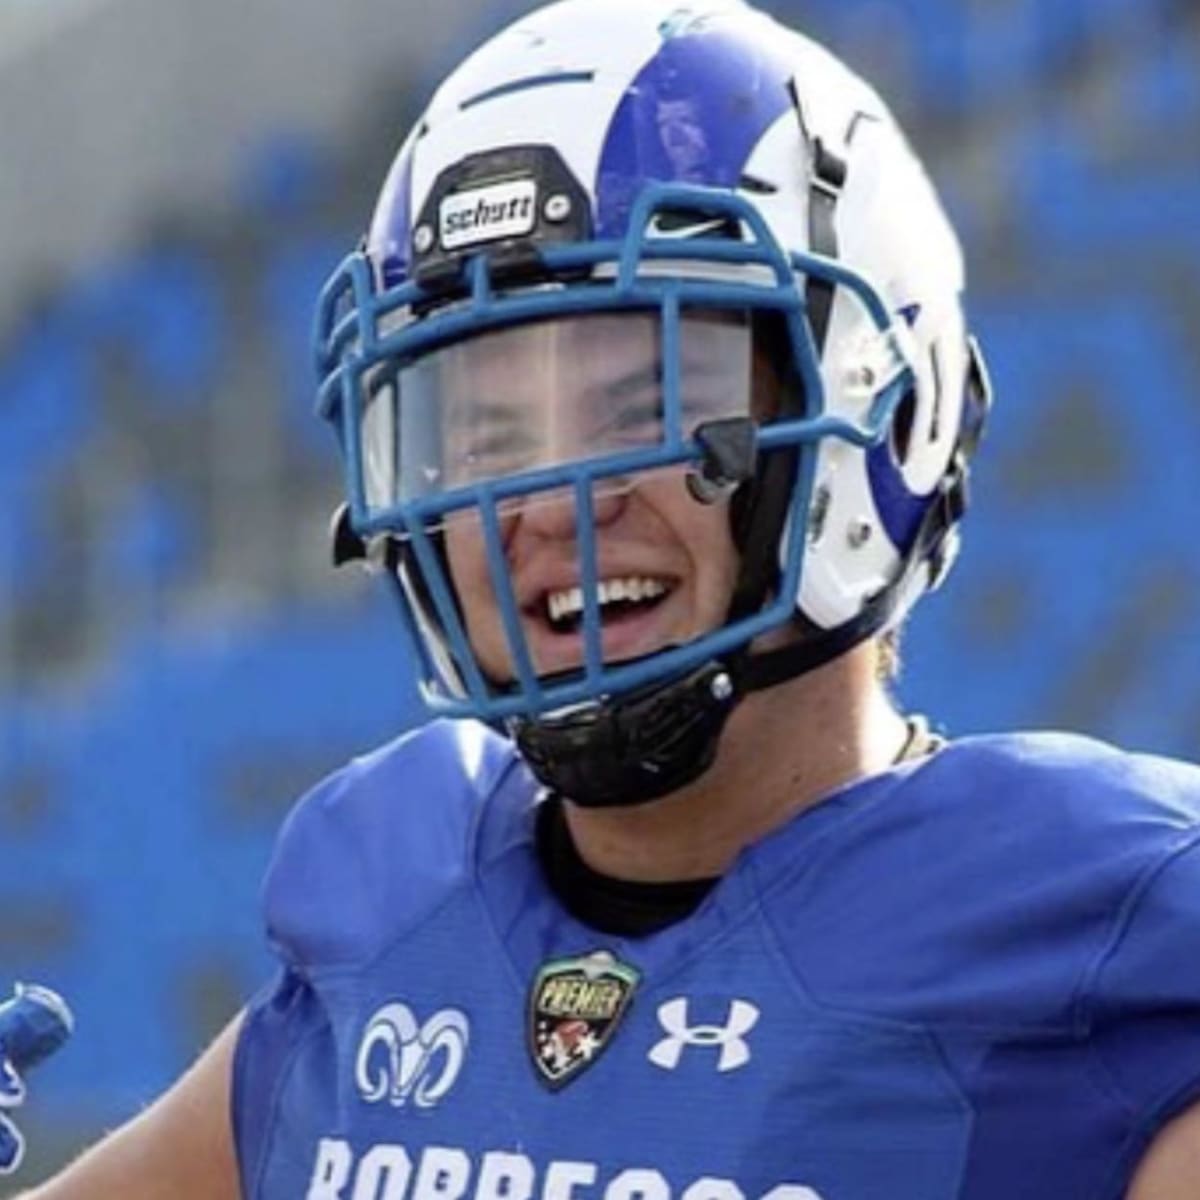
x=376 y=845
x=275 y=1022
x=1144 y=1000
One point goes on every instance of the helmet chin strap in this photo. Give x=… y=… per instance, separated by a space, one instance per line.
x=629 y=750
x=624 y=751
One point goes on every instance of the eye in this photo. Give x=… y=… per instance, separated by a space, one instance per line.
x=492 y=452
x=639 y=417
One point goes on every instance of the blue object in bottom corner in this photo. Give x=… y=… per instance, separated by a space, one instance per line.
x=33 y=1025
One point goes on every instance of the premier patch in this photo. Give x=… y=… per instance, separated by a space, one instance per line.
x=487 y=214
x=575 y=1006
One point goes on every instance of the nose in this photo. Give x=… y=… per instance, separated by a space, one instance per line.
x=553 y=514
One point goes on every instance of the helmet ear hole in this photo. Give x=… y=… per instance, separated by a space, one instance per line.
x=902 y=427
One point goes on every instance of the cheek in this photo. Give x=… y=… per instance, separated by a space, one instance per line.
x=714 y=555
x=702 y=531
x=466 y=556
x=468 y=566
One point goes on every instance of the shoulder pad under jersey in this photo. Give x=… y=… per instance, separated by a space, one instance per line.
x=374 y=846
x=988 y=883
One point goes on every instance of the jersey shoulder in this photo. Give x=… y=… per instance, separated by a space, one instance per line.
x=1065 y=769
x=1122 y=832
x=379 y=842
x=985 y=885
x=1051 y=803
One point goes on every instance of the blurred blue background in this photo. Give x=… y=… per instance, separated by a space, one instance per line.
x=178 y=662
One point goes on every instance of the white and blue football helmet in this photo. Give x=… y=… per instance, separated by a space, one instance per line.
x=657 y=161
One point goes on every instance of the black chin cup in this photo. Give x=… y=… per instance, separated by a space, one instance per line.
x=632 y=749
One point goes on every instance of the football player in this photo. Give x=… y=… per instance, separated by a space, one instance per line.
x=657 y=404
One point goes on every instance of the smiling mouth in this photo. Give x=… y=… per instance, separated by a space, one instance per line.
x=620 y=599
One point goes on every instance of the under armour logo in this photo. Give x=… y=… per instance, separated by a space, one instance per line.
x=401 y=1061
x=730 y=1037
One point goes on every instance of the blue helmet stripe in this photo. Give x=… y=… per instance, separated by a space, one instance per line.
x=389 y=242
x=693 y=114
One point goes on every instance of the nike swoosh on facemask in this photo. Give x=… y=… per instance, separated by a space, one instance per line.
x=681 y=232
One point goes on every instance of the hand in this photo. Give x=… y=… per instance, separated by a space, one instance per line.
x=33 y=1024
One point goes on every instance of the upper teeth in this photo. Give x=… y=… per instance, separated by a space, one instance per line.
x=569 y=601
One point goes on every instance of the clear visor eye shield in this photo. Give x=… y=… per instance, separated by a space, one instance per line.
x=631 y=357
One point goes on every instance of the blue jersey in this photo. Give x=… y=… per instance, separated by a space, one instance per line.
x=969 y=978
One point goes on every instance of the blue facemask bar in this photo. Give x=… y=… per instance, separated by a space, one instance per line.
x=351 y=339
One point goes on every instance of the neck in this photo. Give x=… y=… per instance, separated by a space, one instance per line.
x=782 y=751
